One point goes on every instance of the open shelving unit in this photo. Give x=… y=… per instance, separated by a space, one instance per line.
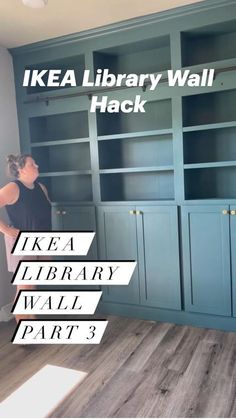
x=209 y=108
x=68 y=188
x=63 y=158
x=60 y=144
x=150 y=185
x=136 y=154
x=158 y=155
x=60 y=126
x=141 y=151
x=146 y=56
x=209 y=146
x=209 y=43
x=157 y=117
x=76 y=63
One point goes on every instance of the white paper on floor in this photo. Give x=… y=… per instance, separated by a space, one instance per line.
x=42 y=393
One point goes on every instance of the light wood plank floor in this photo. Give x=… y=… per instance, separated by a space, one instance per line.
x=140 y=369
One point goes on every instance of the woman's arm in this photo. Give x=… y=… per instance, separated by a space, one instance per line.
x=9 y=194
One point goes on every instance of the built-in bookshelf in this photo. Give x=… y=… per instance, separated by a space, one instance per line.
x=145 y=56
x=75 y=63
x=64 y=157
x=60 y=145
x=157 y=116
x=140 y=156
x=151 y=150
x=68 y=187
x=209 y=43
x=209 y=145
x=136 y=154
x=59 y=126
x=157 y=187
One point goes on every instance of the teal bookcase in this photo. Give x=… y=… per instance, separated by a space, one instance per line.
x=157 y=187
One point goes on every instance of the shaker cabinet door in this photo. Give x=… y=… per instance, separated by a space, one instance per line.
x=76 y=218
x=158 y=242
x=233 y=254
x=206 y=259
x=118 y=241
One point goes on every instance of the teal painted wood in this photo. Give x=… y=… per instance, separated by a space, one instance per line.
x=158 y=244
x=75 y=218
x=178 y=149
x=201 y=105
x=206 y=259
x=159 y=114
x=208 y=127
x=65 y=162
x=53 y=107
x=118 y=241
x=210 y=165
x=169 y=316
x=81 y=219
x=56 y=218
x=233 y=254
x=169 y=136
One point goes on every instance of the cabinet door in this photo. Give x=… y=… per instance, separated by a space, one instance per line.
x=233 y=254
x=73 y=218
x=56 y=218
x=206 y=259
x=118 y=241
x=158 y=242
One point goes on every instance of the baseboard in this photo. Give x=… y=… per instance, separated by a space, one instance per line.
x=169 y=316
x=5 y=313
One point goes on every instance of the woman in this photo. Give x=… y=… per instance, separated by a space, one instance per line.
x=28 y=208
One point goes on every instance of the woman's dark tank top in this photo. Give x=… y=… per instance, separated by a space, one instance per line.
x=32 y=210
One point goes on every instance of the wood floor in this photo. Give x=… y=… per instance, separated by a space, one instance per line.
x=140 y=369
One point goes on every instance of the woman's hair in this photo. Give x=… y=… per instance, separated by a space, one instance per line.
x=14 y=163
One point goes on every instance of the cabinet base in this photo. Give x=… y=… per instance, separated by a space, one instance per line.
x=169 y=316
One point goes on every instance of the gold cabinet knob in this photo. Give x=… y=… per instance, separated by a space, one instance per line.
x=225 y=212
x=132 y=212
x=233 y=212
x=139 y=212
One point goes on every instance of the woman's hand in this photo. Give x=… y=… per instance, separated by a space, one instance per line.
x=12 y=232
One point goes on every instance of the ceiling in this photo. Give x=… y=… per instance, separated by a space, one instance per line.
x=21 y=25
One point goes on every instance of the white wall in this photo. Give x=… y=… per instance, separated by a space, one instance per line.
x=9 y=144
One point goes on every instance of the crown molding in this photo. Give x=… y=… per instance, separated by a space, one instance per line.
x=124 y=25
